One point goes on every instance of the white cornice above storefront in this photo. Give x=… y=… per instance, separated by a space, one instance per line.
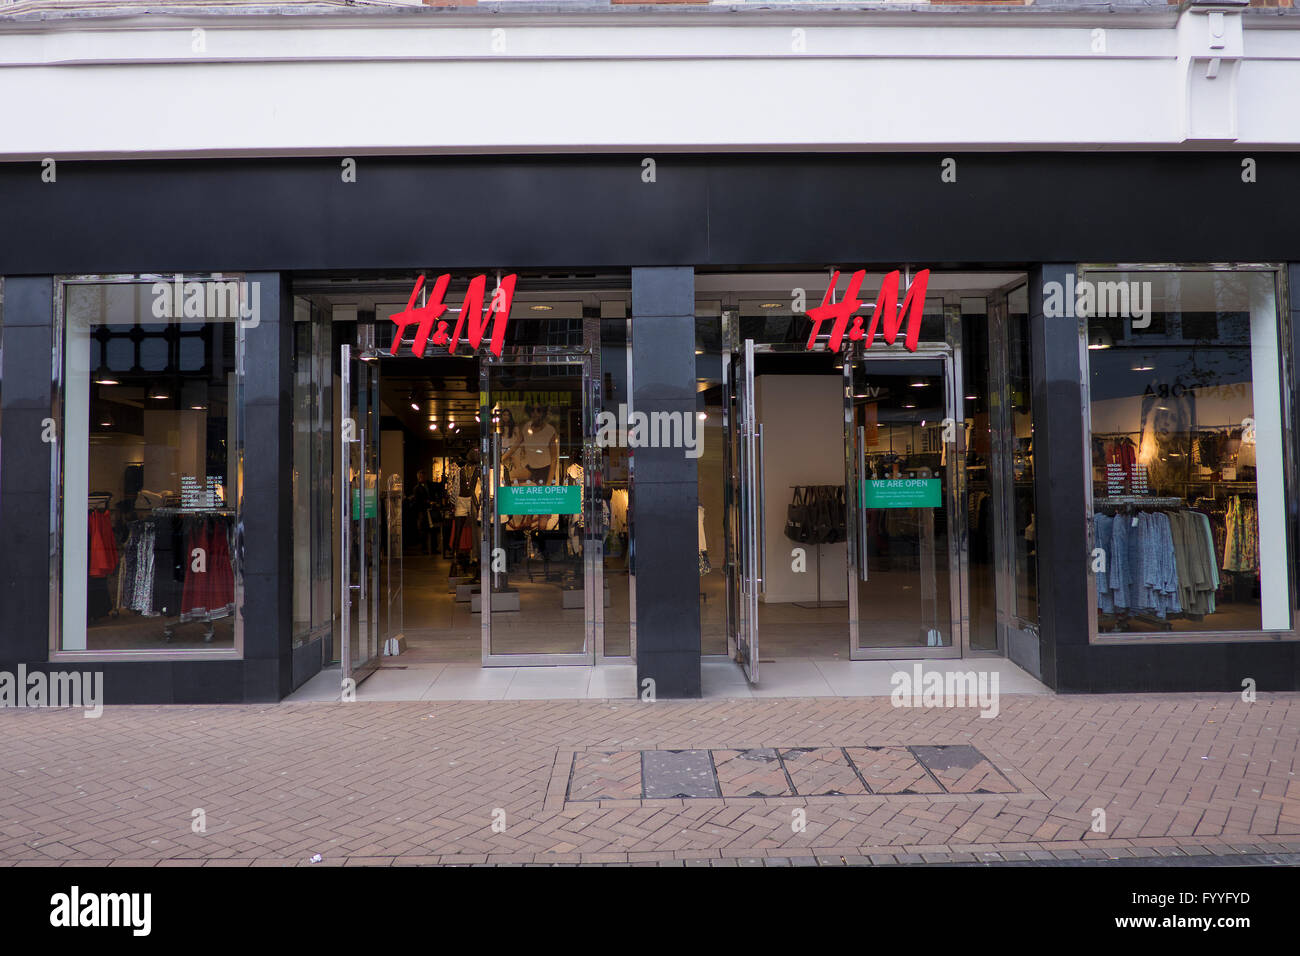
x=1207 y=76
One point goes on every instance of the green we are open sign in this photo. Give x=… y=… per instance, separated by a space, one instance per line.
x=539 y=500
x=902 y=493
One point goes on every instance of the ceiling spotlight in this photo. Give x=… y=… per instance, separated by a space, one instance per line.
x=770 y=305
x=157 y=392
x=542 y=308
x=106 y=420
x=105 y=380
x=1100 y=340
x=919 y=384
x=433 y=426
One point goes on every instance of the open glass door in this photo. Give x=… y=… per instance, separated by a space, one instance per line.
x=903 y=559
x=745 y=509
x=361 y=544
x=539 y=535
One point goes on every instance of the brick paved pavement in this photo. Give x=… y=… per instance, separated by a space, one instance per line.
x=417 y=782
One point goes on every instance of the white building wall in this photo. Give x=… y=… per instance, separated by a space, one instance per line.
x=454 y=84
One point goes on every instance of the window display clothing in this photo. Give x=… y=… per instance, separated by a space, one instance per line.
x=209 y=585
x=162 y=575
x=467 y=487
x=536 y=445
x=103 y=546
x=1241 y=547
x=1156 y=562
x=618 y=511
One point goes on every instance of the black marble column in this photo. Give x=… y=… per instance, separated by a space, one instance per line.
x=25 y=465
x=268 y=494
x=664 y=488
x=1061 y=479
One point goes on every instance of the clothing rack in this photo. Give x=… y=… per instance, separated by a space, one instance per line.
x=206 y=616
x=1113 y=501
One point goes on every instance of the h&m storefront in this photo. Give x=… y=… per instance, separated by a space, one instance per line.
x=662 y=435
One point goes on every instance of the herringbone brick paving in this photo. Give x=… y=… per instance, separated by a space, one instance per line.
x=419 y=782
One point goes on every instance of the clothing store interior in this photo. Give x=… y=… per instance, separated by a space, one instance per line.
x=431 y=436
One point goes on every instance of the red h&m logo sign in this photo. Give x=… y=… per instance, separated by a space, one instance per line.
x=886 y=308
x=425 y=316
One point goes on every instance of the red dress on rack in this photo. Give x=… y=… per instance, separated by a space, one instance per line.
x=213 y=588
x=103 y=546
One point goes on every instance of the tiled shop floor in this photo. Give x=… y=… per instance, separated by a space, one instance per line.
x=1049 y=778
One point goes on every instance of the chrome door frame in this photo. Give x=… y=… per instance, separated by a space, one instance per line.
x=359 y=431
x=958 y=645
x=749 y=570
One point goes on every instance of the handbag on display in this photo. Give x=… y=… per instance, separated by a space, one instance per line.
x=839 y=528
x=797 y=517
x=822 y=521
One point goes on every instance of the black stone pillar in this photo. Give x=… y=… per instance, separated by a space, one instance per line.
x=1061 y=482
x=25 y=465
x=664 y=485
x=268 y=494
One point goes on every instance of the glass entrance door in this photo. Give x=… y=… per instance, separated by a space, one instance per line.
x=540 y=537
x=744 y=509
x=903 y=557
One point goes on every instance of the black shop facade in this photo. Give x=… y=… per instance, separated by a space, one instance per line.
x=603 y=428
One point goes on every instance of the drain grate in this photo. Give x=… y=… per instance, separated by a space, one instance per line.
x=784 y=772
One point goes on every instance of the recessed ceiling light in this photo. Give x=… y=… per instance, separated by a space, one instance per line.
x=909 y=406
x=1143 y=368
x=107 y=381
x=198 y=408
x=971 y=398
x=770 y=305
x=919 y=384
x=433 y=426
x=542 y=308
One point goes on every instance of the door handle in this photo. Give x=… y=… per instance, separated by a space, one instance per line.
x=858 y=497
x=762 y=509
x=361 y=514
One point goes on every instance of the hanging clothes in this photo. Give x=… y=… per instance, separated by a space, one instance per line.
x=1241 y=549
x=102 y=545
x=209 y=583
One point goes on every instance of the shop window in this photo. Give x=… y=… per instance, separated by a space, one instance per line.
x=147 y=519
x=1189 y=524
